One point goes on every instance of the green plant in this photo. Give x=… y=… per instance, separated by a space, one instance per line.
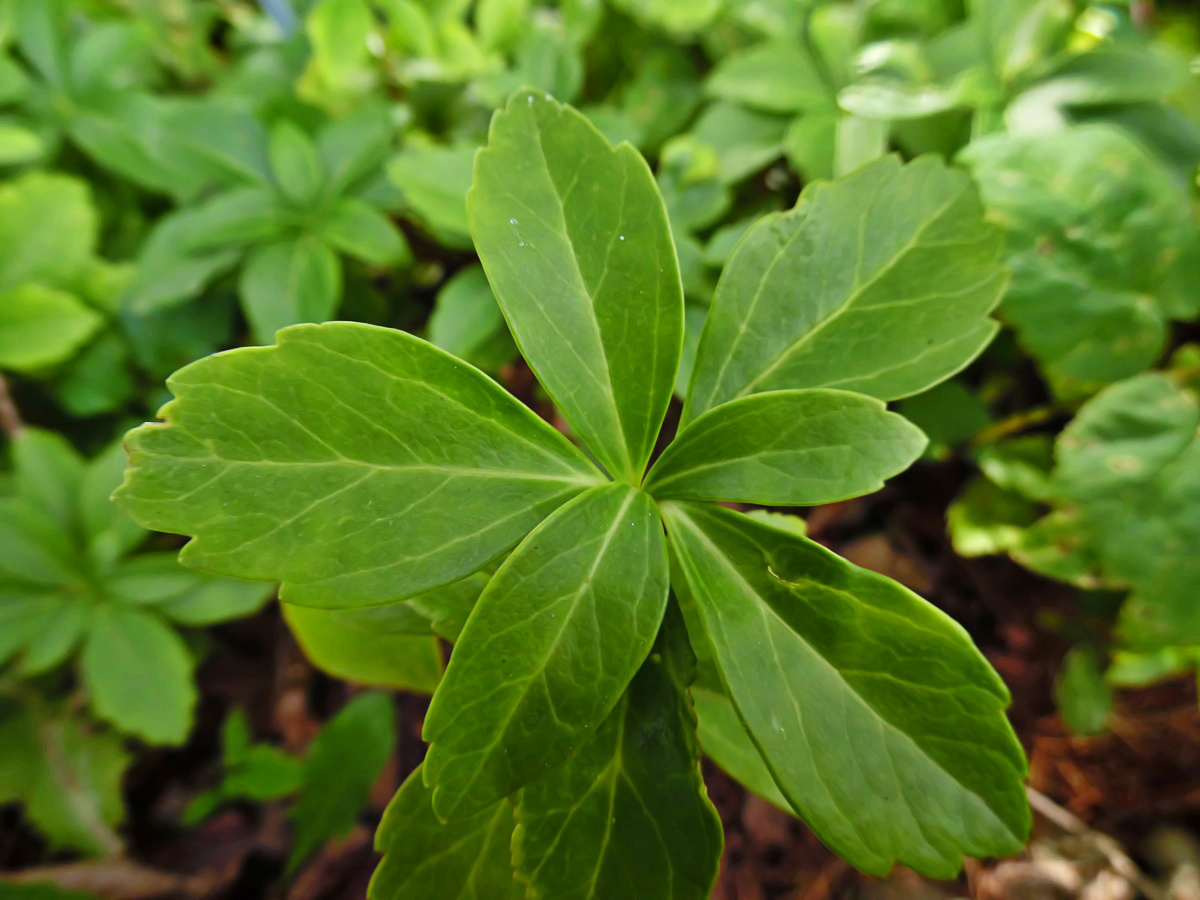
x=288 y=209
x=71 y=584
x=330 y=784
x=361 y=466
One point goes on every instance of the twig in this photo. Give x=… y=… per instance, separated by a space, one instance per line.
x=1117 y=858
x=10 y=419
x=116 y=878
x=1018 y=422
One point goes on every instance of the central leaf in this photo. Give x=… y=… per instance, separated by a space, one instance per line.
x=574 y=238
x=551 y=645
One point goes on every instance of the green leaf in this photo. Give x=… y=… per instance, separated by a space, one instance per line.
x=677 y=17
x=167 y=274
x=467 y=321
x=67 y=774
x=787 y=448
x=48 y=230
x=627 y=815
x=1125 y=435
x=61 y=626
x=549 y=648
x=36 y=549
x=345 y=485
x=775 y=77
x=882 y=724
x=949 y=414
x=354 y=147
x=190 y=598
x=425 y=857
x=580 y=255
x=742 y=140
x=879 y=283
x=110 y=534
x=240 y=216
x=342 y=764
x=725 y=742
x=293 y=281
x=41 y=326
x=19 y=145
x=296 y=163
x=447 y=608
x=138 y=674
x=339 y=30
x=1085 y=701
x=435 y=181
x=359 y=230
x=1098 y=262
x=988 y=518
x=405 y=662
x=49 y=472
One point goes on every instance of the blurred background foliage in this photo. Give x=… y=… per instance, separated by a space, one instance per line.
x=185 y=176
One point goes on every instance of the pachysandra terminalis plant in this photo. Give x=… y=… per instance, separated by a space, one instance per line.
x=361 y=466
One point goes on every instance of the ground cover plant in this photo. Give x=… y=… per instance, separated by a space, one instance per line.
x=585 y=361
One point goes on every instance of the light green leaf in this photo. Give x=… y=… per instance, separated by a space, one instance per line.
x=627 y=815
x=1125 y=435
x=240 y=216
x=1099 y=262
x=879 y=283
x=61 y=626
x=293 y=281
x=138 y=674
x=48 y=229
x=354 y=147
x=548 y=650
x=1085 y=701
x=434 y=860
x=189 y=598
x=580 y=255
x=787 y=448
x=48 y=473
x=405 y=662
x=677 y=17
x=167 y=274
x=989 y=519
x=37 y=551
x=344 y=484
x=880 y=721
x=342 y=764
x=41 y=326
x=110 y=534
x=358 y=229
x=296 y=163
x=19 y=145
x=743 y=140
x=435 y=181
x=467 y=321
x=725 y=741
x=67 y=774
x=776 y=77
x=339 y=30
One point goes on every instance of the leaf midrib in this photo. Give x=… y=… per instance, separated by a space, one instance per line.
x=766 y=608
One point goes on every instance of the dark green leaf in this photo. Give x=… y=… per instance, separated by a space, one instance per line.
x=868 y=705
x=434 y=860
x=575 y=241
x=879 y=283
x=787 y=448
x=548 y=650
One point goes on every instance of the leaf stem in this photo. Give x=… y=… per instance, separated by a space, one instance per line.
x=10 y=419
x=1026 y=418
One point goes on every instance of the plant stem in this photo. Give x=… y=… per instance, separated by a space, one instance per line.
x=1026 y=418
x=10 y=419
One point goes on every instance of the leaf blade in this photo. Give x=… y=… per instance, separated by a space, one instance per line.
x=858 y=733
x=907 y=272
x=787 y=448
x=600 y=558
x=594 y=252
x=286 y=451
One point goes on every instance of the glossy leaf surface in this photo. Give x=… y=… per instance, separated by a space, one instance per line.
x=356 y=464
x=787 y=448
x=882 y=724
x=879 y=283
x=548 y=650
x=574 y=238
